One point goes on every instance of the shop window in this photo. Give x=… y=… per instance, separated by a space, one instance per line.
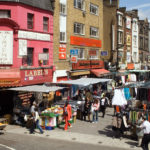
x=45 y=24
x=30 y=21
x=62 y=37
x=79 y=28
x=93 y=9
x=80 y=4
x=5 y=14
x=46 y=51
x=63 y=9
x=93 y=32
x=30 y=56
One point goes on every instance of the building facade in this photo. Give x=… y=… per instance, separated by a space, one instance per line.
x=79 y=37
x=26 y=42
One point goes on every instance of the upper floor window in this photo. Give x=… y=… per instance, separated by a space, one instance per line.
x=79 y=4
x=30 y=21
x=5 y=14
x=94 y=9
x=63 y=9
x=120 y=37
x=93 y=32
x=120 y=19
x=45 y=24
x=141 y=43
x=45 y=50
x=62 y=36
x=30 y=56
x=79 y=28
x=81 y=53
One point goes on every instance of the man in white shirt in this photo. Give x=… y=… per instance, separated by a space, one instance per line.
x=146 y=138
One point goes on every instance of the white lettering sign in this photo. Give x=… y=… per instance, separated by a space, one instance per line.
x=22 y=47
x=6 y=47
x=33 y=35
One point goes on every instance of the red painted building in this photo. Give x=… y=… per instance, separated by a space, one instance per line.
x=26 y=42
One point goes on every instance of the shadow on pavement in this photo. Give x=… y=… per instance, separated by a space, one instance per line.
x=107 y=131
x=132 y=143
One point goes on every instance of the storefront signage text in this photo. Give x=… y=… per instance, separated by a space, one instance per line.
x=36 y=73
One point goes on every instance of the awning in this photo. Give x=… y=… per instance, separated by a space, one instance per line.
x=85 y=81
x=100 y=72
x=37 y=88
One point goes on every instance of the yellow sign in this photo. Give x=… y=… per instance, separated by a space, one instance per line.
x=128 y=40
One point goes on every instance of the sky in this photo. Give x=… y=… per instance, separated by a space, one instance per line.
x=143 y=7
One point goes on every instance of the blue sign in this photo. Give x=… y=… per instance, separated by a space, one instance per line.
x=74 y=52
x=104 y=53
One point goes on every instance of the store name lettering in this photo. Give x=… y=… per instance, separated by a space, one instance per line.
x=32 y=73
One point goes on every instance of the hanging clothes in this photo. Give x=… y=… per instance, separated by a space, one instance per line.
x=127 y=93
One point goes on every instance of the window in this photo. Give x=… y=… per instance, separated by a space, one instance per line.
x=135 y=40
x=62 y=36
x=30 y=21
x=135 y=56
x=5 y=14
x=80 y=4
x=94 y=9
x=93 y=32
x=45 y=24
x=80 y=53
x=146 y=44
x=30 y=56
x=120 y=20
x=93 y=53
x=141 y=42
x=120 y=37
x=79 y=28
x=45 y=50
x=63 y=9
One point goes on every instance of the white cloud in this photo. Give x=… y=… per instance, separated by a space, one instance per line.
x=140 y=6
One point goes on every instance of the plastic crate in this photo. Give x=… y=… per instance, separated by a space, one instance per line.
x=48 y=128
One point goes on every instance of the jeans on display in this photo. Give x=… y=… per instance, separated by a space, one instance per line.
x=38 y=126
x=95 y=114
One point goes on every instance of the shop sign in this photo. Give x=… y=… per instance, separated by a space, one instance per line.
x=128 y=40
x=88 y=64
x=92 y=53
x=130 y=66
x=104 y=53
x=74 y=52
x=43 y=56
x=74 y=59
x=62 y=48
x=35 y=76
x=137 y=66
x=85 y=42
x=122 y=66
x=128 y=22
x=62 y=55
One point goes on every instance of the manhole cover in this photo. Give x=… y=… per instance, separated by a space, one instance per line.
x=73 y=138
x=47 y=135
x=99 y=142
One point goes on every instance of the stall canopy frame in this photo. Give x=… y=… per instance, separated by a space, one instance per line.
x=85 y=81
x=37 y=88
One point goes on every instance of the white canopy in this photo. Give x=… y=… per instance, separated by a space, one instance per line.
x=119 y=98
x=85 y=81
x=37 y=88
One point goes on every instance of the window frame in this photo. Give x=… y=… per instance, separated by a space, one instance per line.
x=120 y=37
x=46 y=62
x=97 y=31
x=62 y=8
x=76 y=4
x=45 y=24
x=6 y=13
x=94 y=6
x=120 y=20
x=29 y=55
x=63 y=36
x=81 y=26
x=30 y=21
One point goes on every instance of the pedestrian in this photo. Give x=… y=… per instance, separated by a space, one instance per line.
x=103 y=103
x=37 y=117
x=146 y=128
x=32 y=109
x=95 y=106
x=67 y=111
x=139 y=131
x=32 y=123
x=87 y=109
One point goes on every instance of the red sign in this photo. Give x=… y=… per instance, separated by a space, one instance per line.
x=62 y=48
x=92 y=52
x=88 y=64
x=62 y=55
x=36 y=76
x=74 y=59
x=130 y=66
x=85 y=42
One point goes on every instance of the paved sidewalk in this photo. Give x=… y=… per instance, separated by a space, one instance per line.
x=84 y=132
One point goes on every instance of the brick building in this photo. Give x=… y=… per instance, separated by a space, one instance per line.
x=82 y=36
